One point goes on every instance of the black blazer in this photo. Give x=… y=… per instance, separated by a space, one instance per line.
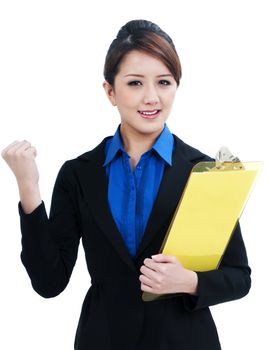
x=113 y=315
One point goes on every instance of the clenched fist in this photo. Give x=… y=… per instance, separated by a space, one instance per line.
x=20 y=157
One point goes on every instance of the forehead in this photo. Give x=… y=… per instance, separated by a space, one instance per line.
x=138 y=62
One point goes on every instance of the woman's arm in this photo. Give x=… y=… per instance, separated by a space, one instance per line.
x=20 y=157
x=164 y=274
x=49 y=245
x=229 y=282
x=29 y=197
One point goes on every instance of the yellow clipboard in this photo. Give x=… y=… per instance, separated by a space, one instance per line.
x=207 y=213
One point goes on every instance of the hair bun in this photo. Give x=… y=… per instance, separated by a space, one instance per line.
x=134 y=26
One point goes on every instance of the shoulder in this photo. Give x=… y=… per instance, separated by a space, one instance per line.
x=189 y=152
x=93 y=154
x=90 y=158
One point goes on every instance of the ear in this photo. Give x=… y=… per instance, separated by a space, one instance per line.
x=109 y=90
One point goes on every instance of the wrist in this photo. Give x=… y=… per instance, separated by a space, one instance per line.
x=192 y=283
x=29 y=196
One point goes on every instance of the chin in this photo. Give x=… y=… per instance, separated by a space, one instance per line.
x=151 y=128
x=142 y=126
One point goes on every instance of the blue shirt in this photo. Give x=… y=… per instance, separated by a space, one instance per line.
x=131 y=195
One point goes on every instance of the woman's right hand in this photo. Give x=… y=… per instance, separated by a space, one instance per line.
x=20 y=157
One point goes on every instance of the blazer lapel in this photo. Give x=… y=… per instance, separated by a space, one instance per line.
x=95 y=184
x=170 y=191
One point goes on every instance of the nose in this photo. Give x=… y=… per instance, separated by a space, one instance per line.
x=151 y=95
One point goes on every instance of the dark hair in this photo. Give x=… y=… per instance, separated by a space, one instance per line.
x=143 y=36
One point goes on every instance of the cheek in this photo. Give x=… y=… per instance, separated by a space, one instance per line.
x=169 y=97
x=129 y=99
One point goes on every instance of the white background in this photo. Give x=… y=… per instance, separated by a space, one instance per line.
x=51 y=74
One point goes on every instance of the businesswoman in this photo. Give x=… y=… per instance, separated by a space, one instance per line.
x=119 y=198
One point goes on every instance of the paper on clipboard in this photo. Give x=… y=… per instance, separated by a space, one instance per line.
x=211 y=205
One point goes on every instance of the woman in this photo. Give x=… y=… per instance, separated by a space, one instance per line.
x=120 y=198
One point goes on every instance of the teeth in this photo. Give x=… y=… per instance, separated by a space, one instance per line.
x=149 y=113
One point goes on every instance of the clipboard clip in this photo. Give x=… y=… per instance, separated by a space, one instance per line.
x=225 y=160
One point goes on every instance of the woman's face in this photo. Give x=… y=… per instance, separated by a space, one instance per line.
x=143 y=92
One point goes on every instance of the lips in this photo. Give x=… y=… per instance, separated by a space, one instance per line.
x=149 y=114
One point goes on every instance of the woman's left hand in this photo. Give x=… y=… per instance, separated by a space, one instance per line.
x=164 y=274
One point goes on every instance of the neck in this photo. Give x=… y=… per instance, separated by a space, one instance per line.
x=136 y=143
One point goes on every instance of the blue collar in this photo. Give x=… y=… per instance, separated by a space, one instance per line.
x=163 y=145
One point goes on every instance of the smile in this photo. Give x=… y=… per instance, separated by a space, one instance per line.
x=149 y=114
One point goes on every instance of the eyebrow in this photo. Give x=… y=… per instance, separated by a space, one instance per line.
x=142 y=76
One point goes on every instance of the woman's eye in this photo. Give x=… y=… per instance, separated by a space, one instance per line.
x=138 y=83
x=134 y=83
x=165 y=82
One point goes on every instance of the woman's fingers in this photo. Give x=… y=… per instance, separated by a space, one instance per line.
x=4 y=151
x=22 y=146
x=17 y=149
x=34 y=151
x=20 y=157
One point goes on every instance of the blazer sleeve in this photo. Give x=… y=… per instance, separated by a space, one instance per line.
x=50 y=244
x=229 y=282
